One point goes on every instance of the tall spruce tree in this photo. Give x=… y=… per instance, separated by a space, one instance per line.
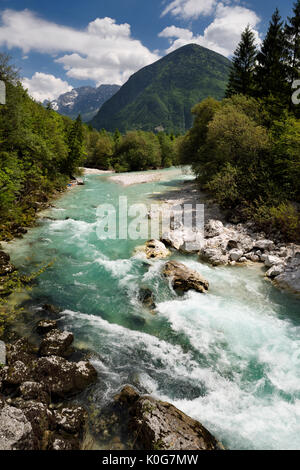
x=271 y=75
x=241 y=79
x=292 y=33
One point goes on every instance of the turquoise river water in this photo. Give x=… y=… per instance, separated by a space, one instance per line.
x=230 y=358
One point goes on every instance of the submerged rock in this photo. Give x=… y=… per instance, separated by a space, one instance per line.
x=157 y=425
x=185 y=279
x=146 y=296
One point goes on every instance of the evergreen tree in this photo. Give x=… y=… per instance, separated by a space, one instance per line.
x=242 y=71
x=76 y=146
x=271 y=75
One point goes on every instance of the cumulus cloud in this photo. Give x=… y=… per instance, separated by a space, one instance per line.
x=190 y=9
x=222 y=35
x=104 y=51
x=43 y=86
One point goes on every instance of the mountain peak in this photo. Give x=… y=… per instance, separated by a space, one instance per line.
x=162 y=94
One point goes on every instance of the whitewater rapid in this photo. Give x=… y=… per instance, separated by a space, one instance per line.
x=230 y=358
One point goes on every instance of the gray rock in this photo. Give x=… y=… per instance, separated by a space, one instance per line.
x=2 y=353
x=290 y=278
x=235 y=255
x=213 y=228
x=265 y=245
x=272 y=261
x=15 y=430
x=214 y=256
x=173 y=239
x=275 y=271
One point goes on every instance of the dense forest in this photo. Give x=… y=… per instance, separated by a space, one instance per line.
x=246 y=149
x=41 y=150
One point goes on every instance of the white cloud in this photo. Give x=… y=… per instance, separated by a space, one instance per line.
x=43 y=86
x=104 y=51
x=190 y=9
x=222 y=35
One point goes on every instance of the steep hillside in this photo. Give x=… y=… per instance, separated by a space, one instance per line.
x=162 y=94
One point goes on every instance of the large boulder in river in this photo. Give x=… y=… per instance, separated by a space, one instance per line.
x=184 y=278
x=155 y=250
x=157 y=425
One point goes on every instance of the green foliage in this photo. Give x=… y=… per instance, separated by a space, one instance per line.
x=161 y=95
x=271 y=72
x=241 y=78
x=138 y=151
x=39 y=150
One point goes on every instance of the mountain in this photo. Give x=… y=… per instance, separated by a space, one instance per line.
x=161 y=95
x=85 y=100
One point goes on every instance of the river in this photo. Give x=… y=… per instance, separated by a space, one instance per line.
x=230 y=359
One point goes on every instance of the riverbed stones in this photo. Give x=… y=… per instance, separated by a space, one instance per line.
x=184 y=278
x=56 y=343
x=236 y=255
x=157 y=425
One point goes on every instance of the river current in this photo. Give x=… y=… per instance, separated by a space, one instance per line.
x=230 y=359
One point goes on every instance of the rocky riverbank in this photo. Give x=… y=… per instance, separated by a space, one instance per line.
x=227 y=244
x=35 y=387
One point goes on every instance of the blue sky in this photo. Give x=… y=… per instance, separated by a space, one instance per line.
x=63 y=44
